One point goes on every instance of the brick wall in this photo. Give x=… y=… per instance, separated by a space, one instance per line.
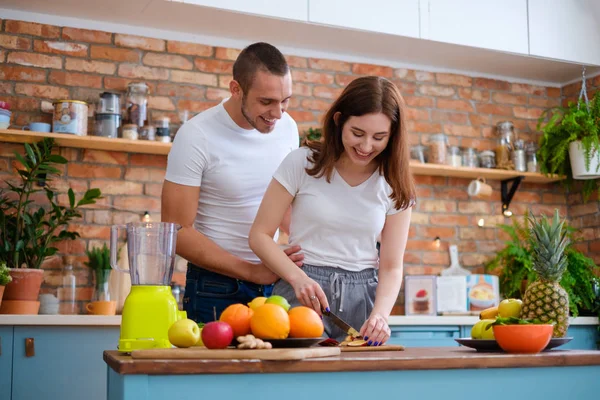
x=50 y=62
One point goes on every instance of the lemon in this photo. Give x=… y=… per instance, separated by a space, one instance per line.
x=257 y=302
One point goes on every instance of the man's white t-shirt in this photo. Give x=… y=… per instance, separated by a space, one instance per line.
x=233 y=167
x=336 y=225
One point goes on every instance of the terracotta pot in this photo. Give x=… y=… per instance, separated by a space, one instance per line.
x=25 y=285
x=19 y=307
x=1 y=293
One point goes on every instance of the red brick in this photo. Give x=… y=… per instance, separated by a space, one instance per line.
x=422 y=245
x=553 y=92
x=296 y=62
x=495 y=109
x=452 y=220
x=479 y=144
x=114 y=54
x=32 y=28
x=195 y=106
x=423 y=127
x=423 y=76
x=76 y=246
x=474 y=207
x=436 y=258
x=174 y=90
x=405 y=74
x=139 y=42
x=45 y=91
x=528 y=113
x=461 y=130
x=595 y=246
x=148 y=160
x=491 y=84
x=417 y=114
x=30 y=104
x=153 y=189
x=329 y=65
x=14 y=73
x=225 y=80
x=91 y=231
x=137 y=203
x=433 y=206
x=223 y=53
x=476 y=233
x=214 y=66
x=528 y=89
x=438 y=91
x=75 y=79
x=316 y=104
x=197 y=78
x=167 y=61
x=86 y=35
x=454 y=117
x=452 y=191
x=583 y=209
x=161 y=103
x=14 y=42
x=303 y=89
x=544 y=102
x=97 y=67
x=108 y=187
x=474 y=94
x=120 y=84
x=312 y=77
x=105 y=157
x=453 y=80
x=6 y=87
x=418 y=101
x=370 y=69
x=302 y=116
x=554 y=198
x=190 y=49
x=34 y=60
x=406 y=88
x=140 y=72
x=93 y=171
x=458 y=105
x=509 y=98
x=56 y=47
x=217 y=94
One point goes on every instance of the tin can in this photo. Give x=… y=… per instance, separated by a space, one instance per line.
x=70 y=116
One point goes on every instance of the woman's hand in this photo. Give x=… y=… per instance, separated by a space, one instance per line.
x=310 y=294
x=376 y=330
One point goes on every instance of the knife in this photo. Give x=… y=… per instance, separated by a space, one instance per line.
x=343 y=325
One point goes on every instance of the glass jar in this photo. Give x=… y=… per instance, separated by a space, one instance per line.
x=469 y=158
x=503 y=159
x=137 y=103
x=147 y=132
x=101 y=289
x=506 y=131
x=531 y=157
x=487 y=159
x=162 y=129
x=454 y=157
x=67 y=292
x=518 y=156
x=437 y=148
x=417 y=153
x=130 y=131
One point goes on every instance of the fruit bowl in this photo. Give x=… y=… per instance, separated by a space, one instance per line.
x=523 y=338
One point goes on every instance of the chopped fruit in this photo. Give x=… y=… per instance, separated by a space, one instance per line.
x=357 y=343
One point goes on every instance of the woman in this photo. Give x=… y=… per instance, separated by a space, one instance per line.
x=346 y=191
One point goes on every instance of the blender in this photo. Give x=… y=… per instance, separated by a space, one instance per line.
x=150 y=307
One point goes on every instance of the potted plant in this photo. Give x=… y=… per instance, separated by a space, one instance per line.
x=310 y=135
x=570 y=143
x=29 y=231
x=4 y=278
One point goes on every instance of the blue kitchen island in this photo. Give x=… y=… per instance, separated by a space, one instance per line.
x=415 y=373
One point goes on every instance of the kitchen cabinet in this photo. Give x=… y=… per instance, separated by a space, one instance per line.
x=289 y=9
x=425 y=336
x=6 y=356
x=66 y=365
x=400 y=17
x=565 y=30
x=494 y=25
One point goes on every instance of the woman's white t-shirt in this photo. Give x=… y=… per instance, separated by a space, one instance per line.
x=336 y=224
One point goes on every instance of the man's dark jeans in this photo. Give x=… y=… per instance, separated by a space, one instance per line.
x=207 y=292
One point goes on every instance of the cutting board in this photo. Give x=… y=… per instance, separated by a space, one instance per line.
x=236 y=354
x=391 y=347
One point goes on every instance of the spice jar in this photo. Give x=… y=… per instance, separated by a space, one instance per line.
x=531 y=156
x=130 y=131
x=469 y=158
x=137 y=103
x=487 y=159
x=518 y=156
x=162 y=129
x=454 y=158
x=437 y=148
x=506 y=131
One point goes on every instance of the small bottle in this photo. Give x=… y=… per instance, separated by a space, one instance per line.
x=67 y=292
x=532 y=162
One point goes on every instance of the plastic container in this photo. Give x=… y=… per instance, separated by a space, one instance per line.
x=437 y=146
x=487 y=159
x=136 y=102
x=469 y=158
x=107 y=125
x=454 y=158
x=109 y=103
x=163 y=133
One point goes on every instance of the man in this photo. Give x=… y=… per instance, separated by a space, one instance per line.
x=219 y=167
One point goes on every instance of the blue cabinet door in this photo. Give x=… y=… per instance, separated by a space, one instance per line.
x=67 y=364
x=424 y=336
x=6 y=359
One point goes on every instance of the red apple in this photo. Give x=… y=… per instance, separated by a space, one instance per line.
x=217 y=335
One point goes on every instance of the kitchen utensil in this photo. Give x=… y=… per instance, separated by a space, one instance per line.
x=107 y=125
x=150 y=308
x=294 y=342
x=109 y=103
x=203 y=353
x=385 y=347
x=455 y=268
x=343 y=325
x=529 y=339
x=38 y=127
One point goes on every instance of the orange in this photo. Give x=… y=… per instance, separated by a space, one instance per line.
x=238 y=316
x=270 y=321
x=305 y=323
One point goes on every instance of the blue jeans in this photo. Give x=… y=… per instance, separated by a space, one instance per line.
x=207 y=292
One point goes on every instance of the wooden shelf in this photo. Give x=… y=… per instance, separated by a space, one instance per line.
x=87 y=142
x=150 y=147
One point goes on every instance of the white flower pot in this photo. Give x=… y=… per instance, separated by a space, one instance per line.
x=576 y=155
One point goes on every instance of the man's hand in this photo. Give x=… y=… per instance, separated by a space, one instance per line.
x=264 y=276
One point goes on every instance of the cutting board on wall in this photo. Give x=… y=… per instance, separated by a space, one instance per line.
x=391 y=347
x=201 y=353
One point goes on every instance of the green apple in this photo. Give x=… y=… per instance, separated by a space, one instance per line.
x=478 y=330
x=184 y=333
x=487 y=331
x=280 y=301
x=510 y=308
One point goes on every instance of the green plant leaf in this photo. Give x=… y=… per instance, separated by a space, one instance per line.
x=71 y=198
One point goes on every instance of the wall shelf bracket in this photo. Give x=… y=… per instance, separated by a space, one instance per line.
x=508 y=194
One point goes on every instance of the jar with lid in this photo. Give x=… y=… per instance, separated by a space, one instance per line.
x=130 y=131
x=137 y=103
x=162 y=129
x=531 y=156
x=147 y=132
x=454 y=157
x=418 y=153
x=67 y=292
x=503 y=159
x=506 y=131
x=437 y=148
x=469 y=158
x=518 y=156
x=487 y=159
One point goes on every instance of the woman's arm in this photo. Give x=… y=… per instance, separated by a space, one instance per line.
x=391 y=254
x=271 y=212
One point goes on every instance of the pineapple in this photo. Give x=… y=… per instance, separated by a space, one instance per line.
x=545 y=299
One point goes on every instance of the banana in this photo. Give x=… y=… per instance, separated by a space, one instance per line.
x=489 y=313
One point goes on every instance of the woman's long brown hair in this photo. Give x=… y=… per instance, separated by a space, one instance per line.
x=368 y=95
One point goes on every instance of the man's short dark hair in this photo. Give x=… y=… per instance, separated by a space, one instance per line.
x=258 y=56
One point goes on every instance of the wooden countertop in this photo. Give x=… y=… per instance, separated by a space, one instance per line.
x=423 y=358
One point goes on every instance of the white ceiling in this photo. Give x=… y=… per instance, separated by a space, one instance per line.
x=179 y=21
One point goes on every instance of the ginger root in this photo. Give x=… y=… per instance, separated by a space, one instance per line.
x=251 y=342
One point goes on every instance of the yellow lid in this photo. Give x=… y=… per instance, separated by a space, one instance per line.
x=70 y=101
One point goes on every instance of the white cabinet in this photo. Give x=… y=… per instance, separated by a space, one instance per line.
x=398 y=17
x=565 y=30
x=489 y=24
x=286 y=9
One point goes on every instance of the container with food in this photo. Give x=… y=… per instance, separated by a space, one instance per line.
x=454 y=157
x=107 y=125
x=469 y=158
x=130 y=131
x=487 y=159
x=70 y=116
x=418 y=153
x=163 y=133
x=437 y=148
x=137 y=103
x=531 y=155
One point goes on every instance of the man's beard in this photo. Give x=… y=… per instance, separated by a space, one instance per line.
x=247 y=117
